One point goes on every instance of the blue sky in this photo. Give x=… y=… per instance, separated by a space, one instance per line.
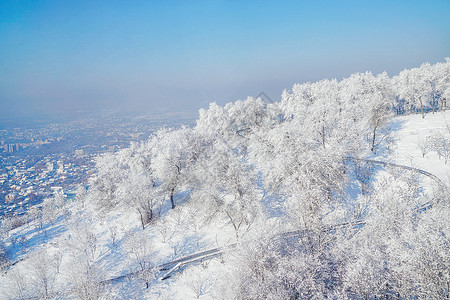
x=62 y=57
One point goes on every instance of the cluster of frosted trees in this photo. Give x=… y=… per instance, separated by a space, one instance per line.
x=279 y=176
x=250 y=160
x=423 y=89
x=439 y=142
x=146 y=177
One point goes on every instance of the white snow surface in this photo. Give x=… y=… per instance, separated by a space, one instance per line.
x=184 y=237
x=411 y=129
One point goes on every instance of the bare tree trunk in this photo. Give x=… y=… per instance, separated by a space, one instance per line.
x=448 y=289
x=374 y=136
x=146 y=216
x=173 y=189
x=235 y=226
x=142 y=219
x=171 y=198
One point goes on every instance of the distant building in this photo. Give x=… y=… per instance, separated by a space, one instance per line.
x=10 y=197
x=57 y=189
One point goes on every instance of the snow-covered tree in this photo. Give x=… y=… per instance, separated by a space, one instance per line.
x=174 y=154
x=84 y=279
x=417 y=86
x=227 y=187
x=125 y=180
x=140 y=250
x=440 y=143
x=442 y=71
x=42 y=274
x=16 y=282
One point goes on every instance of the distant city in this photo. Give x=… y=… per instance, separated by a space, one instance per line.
x=42 y=159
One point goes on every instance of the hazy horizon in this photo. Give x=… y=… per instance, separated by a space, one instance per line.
x=61 y=59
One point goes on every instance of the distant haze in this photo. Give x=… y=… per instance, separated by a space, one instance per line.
x=75 y=57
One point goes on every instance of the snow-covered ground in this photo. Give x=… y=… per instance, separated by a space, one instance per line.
x=413 y=130
x=181 y=231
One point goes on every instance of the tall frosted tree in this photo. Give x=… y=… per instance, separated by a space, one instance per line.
x=174 y=154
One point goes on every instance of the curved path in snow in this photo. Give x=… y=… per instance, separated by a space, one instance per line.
x=384 y=164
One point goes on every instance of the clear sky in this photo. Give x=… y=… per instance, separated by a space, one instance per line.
x=63 y=57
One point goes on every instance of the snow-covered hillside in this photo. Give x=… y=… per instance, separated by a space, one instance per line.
x=414 y=147
x=324 y=194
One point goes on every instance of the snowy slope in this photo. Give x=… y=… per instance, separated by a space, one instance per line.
x=411 y=131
